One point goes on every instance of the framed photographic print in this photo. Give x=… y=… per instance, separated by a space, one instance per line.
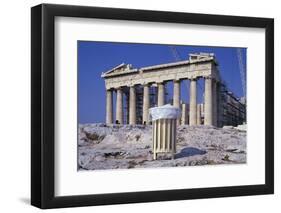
x=139 y=106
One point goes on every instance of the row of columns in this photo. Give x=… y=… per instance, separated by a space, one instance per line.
x=184 y=115
x=210 y=106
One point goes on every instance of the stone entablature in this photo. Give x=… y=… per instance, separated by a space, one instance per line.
x=123 y=77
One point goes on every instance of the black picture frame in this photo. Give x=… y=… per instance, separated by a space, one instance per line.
x=43 y=102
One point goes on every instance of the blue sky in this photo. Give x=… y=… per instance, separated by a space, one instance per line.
x=97 y=57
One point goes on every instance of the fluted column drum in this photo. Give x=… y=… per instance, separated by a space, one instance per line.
x=164 y=129
x=164 y=136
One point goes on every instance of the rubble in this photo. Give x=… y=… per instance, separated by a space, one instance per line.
x=112 y=146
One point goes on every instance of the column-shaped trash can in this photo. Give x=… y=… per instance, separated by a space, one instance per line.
x=164 y=129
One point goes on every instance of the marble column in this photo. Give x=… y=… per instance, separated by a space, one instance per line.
x=183 y=114
x=146 y=104
x=119 y=106
x=198 y=114
x=208 y=110
x=109 y=107
x=215 y=118
x=127 y=107
x=193 y=102
x=132 y=106
x=176 y=98
x=161 y=94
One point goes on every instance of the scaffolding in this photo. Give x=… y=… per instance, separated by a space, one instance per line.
x=232 y=109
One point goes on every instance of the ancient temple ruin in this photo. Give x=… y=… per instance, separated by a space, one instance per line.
x=139 y=89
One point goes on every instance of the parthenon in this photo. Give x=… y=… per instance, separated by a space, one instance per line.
x=139 y=89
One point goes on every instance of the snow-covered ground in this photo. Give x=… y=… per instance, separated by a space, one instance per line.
x=112 y=147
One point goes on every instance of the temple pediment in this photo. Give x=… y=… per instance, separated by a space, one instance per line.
x=119 y=70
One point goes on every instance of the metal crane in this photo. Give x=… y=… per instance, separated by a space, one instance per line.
x=178 y=58
x=242 y=70
x=175 y=53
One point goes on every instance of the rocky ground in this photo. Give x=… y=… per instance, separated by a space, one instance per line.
x=113 y=147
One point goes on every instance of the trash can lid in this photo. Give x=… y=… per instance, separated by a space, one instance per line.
x=166 y=111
